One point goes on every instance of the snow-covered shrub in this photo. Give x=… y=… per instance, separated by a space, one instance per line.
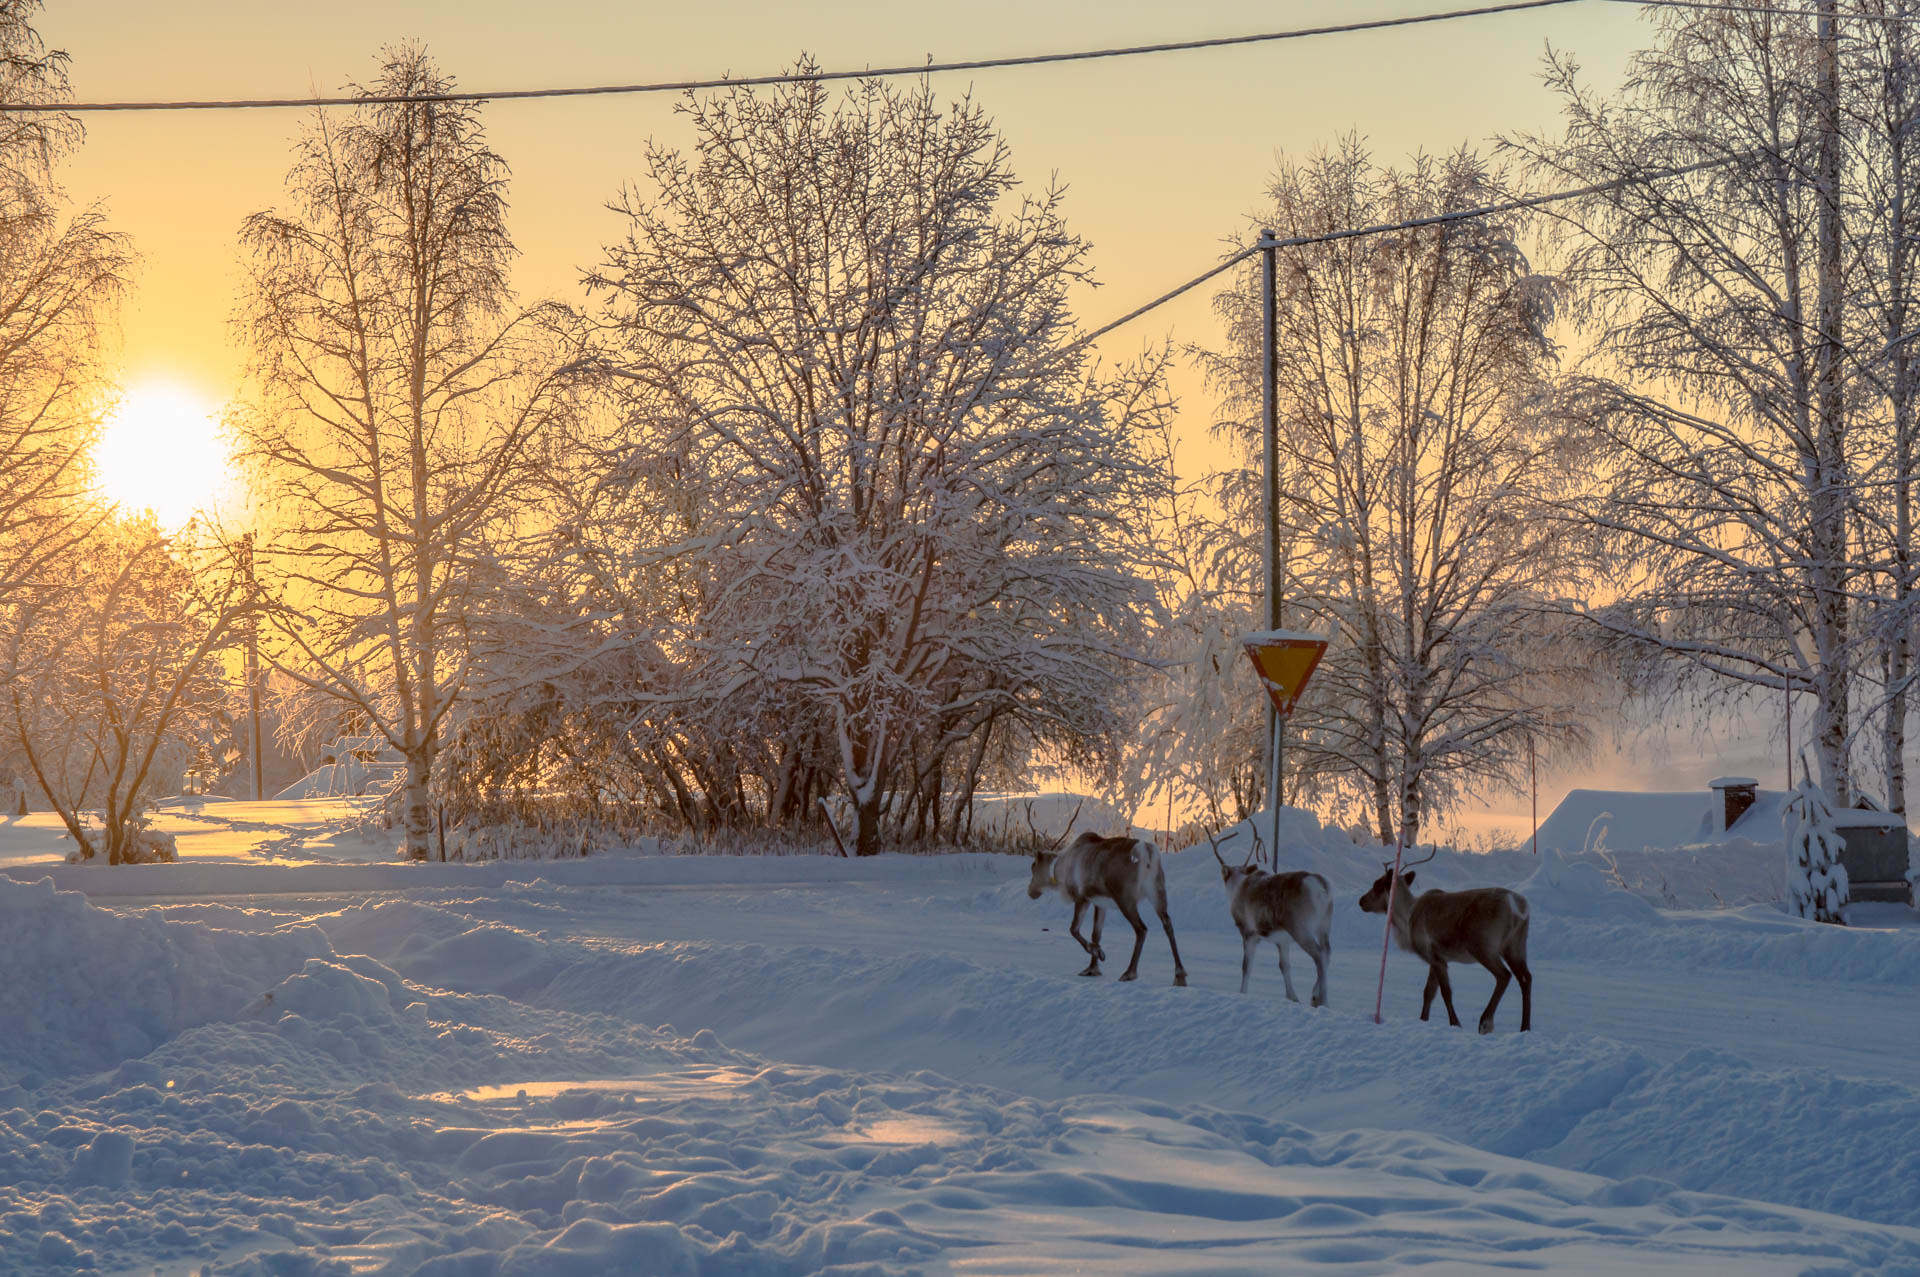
x=1816 y=880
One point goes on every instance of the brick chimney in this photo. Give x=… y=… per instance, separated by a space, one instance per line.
x=1736 y=794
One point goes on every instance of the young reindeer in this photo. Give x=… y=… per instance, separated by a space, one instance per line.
x=1269 y=906
x=1123 y=872
x=1487 y=925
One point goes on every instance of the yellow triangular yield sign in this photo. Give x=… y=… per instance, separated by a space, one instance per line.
x=1285 y=660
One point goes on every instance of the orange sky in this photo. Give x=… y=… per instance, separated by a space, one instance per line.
x=1164 y=156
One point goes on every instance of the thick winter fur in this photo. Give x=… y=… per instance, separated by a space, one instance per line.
x=1123 y=872
x=1268 y=906
x=1487 y=925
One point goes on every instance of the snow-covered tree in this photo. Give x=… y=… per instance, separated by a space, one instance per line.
x=119 y=689
x=1417 y=455
x=1724 y=455
x=1816 y=880
x=400 y=388
x=892 y=499
x=57 y=273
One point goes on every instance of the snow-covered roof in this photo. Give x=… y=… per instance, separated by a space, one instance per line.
x=1631 y=819
x=1856 y=818
x=1733 y=782
x=1637 y=820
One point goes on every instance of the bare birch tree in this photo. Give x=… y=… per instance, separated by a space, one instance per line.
x=57 y=273
x=1881 y=79
x=1416 y=453
x=400 y=386
x=1727 y=460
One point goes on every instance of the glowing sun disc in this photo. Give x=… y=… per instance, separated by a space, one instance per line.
x=161 y=450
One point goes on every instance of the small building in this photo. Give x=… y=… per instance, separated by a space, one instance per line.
x=1732 y=809
x=1875 y=856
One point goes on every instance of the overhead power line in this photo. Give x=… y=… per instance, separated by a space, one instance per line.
x=798 y=77
x=1436 y=219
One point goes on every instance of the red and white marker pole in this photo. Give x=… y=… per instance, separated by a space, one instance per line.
x=1393 y=885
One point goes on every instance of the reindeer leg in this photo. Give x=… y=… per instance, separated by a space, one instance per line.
x=1099 y=921
x=1073 y=928
x=1286 y=972
x=1500 y=981
x=1525 y=977
x=1093 y=958
x=1166 y=925
x=1319 y=956
x=1132 y=915
x=1433 y=987
x=1446 y=992
x=1248 y=943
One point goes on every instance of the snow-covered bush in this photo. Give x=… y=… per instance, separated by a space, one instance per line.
x=1816 y=880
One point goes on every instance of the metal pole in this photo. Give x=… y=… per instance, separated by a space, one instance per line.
x=253 y=666
x=1270 y=428
x=1533 y=786
x=1393 y=885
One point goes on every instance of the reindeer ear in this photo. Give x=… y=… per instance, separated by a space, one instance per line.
x=1407 y=878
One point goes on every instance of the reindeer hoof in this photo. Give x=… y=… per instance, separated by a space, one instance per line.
x=1179 y=979
x=1130 y=975
x=1091 y=971
x=1319 y=1002
x=1486 y=1027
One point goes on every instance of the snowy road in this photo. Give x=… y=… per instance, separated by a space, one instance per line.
x=788 y=1066
x=1864 y=1031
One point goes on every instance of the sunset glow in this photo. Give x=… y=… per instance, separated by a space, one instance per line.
x=161 y=450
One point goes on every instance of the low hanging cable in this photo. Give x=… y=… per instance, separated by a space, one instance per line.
x=1384 y=228
x=797 y=77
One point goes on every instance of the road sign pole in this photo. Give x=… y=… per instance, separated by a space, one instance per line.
x=1284 y=662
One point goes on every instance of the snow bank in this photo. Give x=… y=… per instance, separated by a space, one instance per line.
x=98 y=987
x=1051 y=816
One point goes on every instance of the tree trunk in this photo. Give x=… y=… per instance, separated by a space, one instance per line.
x=417 y=809
x=867 y=827
x=1829 y=491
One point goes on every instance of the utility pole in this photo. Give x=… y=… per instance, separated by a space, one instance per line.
x=1270 y=428
x=253 y=664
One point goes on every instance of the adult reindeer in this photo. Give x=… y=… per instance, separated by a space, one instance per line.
x=1122 y=872
x=1487 y=925
x=1273 y=906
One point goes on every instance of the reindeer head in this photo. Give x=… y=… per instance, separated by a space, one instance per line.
x=1042 y=880
x=1234 y=875
x=1375 y=901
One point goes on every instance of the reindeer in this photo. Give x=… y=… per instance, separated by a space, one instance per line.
x=1487 y=925
x=1122 y=872
x=1273 y=906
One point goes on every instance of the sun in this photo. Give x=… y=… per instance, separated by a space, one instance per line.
x=161 y=450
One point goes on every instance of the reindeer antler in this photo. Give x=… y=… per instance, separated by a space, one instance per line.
x=1253 y=854
x=1214 y=843
x=1055 y=846
x=1431 y=853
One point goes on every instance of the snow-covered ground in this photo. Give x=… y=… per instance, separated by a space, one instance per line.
x=304 y=1063
x=276 y=831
